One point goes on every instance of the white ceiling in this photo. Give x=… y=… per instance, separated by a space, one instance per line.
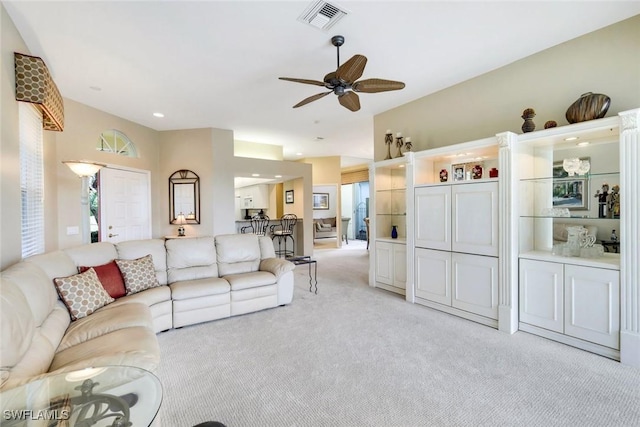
x=217 y=63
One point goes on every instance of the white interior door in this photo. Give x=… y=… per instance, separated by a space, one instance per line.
x=125 y=205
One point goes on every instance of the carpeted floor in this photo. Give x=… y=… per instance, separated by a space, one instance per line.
x=353 y=355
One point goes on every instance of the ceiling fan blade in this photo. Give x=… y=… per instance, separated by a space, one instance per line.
x=305 y=81
x=350 y=100
x=351 y=70
x=376 y=85
x=311 y=99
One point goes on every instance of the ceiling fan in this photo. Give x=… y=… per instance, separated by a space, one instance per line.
x=343 y=82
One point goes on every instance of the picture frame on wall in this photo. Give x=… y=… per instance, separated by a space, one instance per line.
x=458 y=171
x=320 y=201
x=288 y=197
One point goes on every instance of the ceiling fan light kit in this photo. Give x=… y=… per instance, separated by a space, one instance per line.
x=344 y=81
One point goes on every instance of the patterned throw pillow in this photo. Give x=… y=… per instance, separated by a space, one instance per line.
x=138 y=274
x=82 y=293
x=110 y=277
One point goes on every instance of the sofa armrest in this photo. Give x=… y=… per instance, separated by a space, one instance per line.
x=276 y=266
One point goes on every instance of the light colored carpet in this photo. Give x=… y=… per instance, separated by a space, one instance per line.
x=358 y=356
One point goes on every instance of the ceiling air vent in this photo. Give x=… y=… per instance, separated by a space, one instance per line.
x=322 y=15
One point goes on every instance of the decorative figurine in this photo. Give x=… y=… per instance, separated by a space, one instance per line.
x=407 y=145
x=444 y=175
x=399 y=144
x=388 y=140
x=528 y=125
x=614 y=236
x=493 y=173
x=550 y=124
x=601 y=195
x=613 y=202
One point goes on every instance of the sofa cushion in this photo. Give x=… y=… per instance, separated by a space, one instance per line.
x=133 y=249
x=191 y=259
x=110 y=277
x=82 y=293
x=17 y=326
x=138 y=274
x=135 y=346
x=106 y=320
x=237 y=253
x=98 y=253
x=250 y=280
x=147 y=297
x=199 y=288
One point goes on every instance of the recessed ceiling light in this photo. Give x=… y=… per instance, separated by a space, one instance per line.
x=158 y=115
x=400 y=166
x=571 y=138
x=298 y=154
x=255 y=174
x=278 y=176
x=583 y=143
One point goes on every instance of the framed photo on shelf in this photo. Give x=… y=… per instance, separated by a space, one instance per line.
x=571 y=193
x=288 y=197
x=458 y=172
x=320 y=200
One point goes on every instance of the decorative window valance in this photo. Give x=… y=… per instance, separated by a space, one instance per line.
x=34 y=84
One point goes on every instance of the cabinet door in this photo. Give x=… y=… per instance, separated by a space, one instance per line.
x=261 y=196
x=474 y=284
x=541 y=294
x=399 y=266
x=433 y=275
x=592 y=304
x=384 y=263
x=433 y=217
x=475 y=218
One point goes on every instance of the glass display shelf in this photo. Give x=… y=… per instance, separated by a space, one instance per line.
x=386 y=190
x=568 y=217
x=563 y=178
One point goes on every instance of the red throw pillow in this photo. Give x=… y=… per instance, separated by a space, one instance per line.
x=110 y=277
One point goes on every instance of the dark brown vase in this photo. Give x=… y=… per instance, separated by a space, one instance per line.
x=528 y=125
x=589 y=106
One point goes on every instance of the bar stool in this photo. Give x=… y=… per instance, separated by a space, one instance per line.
x=283 y=231
x=259 y=224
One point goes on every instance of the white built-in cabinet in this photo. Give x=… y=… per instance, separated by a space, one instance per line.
x=254 y=196
x=390 y=180
x=482 y=248
x=456 y=248
x=565 y=302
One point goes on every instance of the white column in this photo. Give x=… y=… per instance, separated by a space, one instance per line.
x=630 y=238
x=508 y=232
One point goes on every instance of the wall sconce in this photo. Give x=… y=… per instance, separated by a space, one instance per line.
x=180 y=220
x=84 y=169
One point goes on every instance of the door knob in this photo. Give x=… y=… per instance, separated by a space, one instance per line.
x=112 y=235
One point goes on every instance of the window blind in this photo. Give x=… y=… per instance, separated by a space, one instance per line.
x=355 y=176
x=31 y=179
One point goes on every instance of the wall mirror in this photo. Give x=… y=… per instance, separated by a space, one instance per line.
x=184 y=197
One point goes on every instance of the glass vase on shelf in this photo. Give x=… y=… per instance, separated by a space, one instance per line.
x=394 y=231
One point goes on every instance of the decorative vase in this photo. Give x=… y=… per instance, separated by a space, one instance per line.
x=493 y=173
x=528 y=125
x=394 y=231
x=444 y=175
x=589 y=106
x=550 y=124
x=476 y=172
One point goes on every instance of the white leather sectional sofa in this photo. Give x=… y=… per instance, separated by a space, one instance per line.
x=198 y=279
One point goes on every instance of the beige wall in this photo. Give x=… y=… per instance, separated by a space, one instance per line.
x=257 y=151
x=605 y=61
x=10 y=237
x=83 y=126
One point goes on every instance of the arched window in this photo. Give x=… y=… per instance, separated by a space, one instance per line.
x=114 y=141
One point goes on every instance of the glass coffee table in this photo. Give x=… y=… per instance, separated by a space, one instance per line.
x=306 y=259
x=107 y=396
